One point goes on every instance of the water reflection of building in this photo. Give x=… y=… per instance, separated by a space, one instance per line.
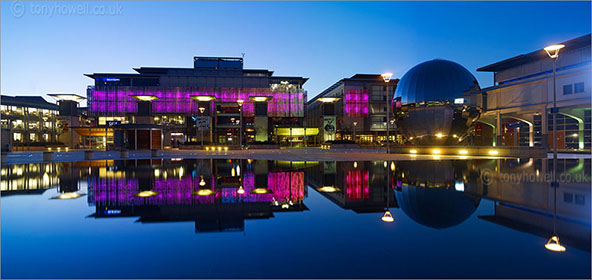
x=36 y=178
x=437 y=194
x=218 y=195
x=32 y=178
x=525 y=200
x=359 y=186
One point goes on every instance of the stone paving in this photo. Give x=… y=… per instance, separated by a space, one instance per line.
x=304 y=154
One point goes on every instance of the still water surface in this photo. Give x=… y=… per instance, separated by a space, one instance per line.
x=177 y=218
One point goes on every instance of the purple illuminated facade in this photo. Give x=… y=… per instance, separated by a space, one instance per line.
x=116 y=101
x=178 y=191
x=360 y=108
x=110 y=98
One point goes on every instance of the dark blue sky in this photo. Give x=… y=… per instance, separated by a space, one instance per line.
x=324 y=41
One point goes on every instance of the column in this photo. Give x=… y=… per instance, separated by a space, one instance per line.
x=498 y=129
x=544 y=129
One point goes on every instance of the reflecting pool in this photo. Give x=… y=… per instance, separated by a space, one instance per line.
x=219 y=218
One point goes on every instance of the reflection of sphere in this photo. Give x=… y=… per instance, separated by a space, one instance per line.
x=436 y=207
x=427 y=92
x=437 y=203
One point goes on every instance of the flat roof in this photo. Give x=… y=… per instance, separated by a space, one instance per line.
x=28 y=101
x=538 y=54
x=355 y=77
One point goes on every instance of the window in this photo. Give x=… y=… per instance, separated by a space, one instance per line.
x=567 y=89
x=580 y=199
x=568 y=197
x=378 y=122
x=578 y=87
x=378 y=93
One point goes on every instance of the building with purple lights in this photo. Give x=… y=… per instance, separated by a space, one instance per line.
x=202 y=104
x=351 y=108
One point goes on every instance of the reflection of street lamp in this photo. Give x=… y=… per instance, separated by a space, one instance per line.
x=387 y=78
x=240 y=112
x=388 y=217
x=553 y=243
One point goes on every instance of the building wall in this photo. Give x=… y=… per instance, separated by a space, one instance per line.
x=30 y=125
x=360 y=101
x=519 y=106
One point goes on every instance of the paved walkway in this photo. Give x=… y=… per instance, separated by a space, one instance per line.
x=305 y=154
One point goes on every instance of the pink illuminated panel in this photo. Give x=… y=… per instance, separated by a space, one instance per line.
x=356 y=102
x=356 y=184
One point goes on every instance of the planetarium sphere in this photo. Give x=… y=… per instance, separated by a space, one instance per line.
x=430 y=105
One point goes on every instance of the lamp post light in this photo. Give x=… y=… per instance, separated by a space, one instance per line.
x=553 y=52
x=355 y=124
x=201 y=110
x=240 y=123
x=387 y=78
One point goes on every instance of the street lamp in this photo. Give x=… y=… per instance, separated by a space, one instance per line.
x=553 y=52
x=355 y=124
x=201 y=110
x=240 y=112
x=387 y=78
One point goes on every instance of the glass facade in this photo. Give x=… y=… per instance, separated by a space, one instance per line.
x=30 y=125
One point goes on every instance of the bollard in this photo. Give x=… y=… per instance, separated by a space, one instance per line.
x=124 y=154
x=89 y=155
x=155 y=152
x=48 y=156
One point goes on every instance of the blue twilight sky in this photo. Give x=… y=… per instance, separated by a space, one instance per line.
x=47 y=46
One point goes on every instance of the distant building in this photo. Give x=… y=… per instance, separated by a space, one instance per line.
x=356 y=104
x=30 y=120
x=214 y=84
x=517 y=109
